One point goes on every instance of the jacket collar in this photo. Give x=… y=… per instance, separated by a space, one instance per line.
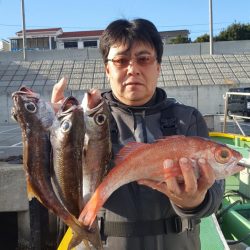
x=155 y=104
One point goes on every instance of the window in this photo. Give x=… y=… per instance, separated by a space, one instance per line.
x=70 y=45
x=14 y=45
x=42 y=43
x=92 y=44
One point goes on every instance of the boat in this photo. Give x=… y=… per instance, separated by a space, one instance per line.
x=234 y=213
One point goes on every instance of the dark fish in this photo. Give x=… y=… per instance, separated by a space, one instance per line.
x=145 y=161
x=97 y=146
x=67 y=139
x=35 y=117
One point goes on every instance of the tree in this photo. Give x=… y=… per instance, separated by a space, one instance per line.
x=236 y=31
x=202 y=39
x=180 y=39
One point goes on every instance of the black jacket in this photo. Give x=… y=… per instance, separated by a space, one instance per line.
x=142 y=208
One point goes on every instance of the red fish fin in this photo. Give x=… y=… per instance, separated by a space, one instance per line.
x=172 y=137
x=127 y=150
x=89 y=212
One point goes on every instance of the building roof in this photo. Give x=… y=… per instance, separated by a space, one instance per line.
x=174 y=33
x=39 y=30
x=81 y=34
x=90 y=33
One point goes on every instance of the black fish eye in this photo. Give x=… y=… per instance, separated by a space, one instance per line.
x=224 y=154
x=30 y=106
x=100 y=119
x=66 y=125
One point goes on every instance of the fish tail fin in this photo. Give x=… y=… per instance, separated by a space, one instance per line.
x=76 y=240
x=93 y=236
x=86 y=244
x=90 y=210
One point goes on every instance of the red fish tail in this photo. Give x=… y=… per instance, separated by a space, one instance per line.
x=90 y=211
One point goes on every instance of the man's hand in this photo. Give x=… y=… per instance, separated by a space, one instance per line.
x=57 y=96
x=190 y=192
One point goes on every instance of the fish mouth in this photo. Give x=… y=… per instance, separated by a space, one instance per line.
x=91 y=100
x=69 y=105
x=238 y=166
x=23 y=90
x=244 y=163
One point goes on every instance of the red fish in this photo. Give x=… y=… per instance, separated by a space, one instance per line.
x=145 y=161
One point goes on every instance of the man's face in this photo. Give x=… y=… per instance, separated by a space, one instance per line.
x=133 y=73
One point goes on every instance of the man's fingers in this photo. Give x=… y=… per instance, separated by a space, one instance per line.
x=173 y=186
x=171 y=181
x=188 y=175
x=58 y=90
x=207 y=175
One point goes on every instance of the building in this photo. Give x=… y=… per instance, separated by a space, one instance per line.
x=167 y=36
x=79 y=39
x=56 y=38
x=4 y=45
x=36 y=39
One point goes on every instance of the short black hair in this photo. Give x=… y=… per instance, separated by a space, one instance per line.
x=123 y=31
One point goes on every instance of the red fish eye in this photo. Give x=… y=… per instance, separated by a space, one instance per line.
x=222 y=154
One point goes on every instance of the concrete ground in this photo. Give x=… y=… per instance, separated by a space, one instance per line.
x=10 y=140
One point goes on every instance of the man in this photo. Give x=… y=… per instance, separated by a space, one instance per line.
x=148 y=215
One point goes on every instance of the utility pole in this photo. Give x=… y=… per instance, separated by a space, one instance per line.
x=211 y=28
x=24 y=30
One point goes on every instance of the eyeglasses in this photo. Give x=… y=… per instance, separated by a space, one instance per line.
x=124 y=61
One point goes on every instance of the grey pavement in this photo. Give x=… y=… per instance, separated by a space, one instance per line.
x=10 y=140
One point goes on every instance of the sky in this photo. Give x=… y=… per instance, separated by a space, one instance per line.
x=80 y=15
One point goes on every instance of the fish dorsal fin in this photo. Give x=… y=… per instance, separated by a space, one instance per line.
x=127 y=150
x=169 y=138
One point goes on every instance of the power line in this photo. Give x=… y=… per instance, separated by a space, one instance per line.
x=89 y=27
